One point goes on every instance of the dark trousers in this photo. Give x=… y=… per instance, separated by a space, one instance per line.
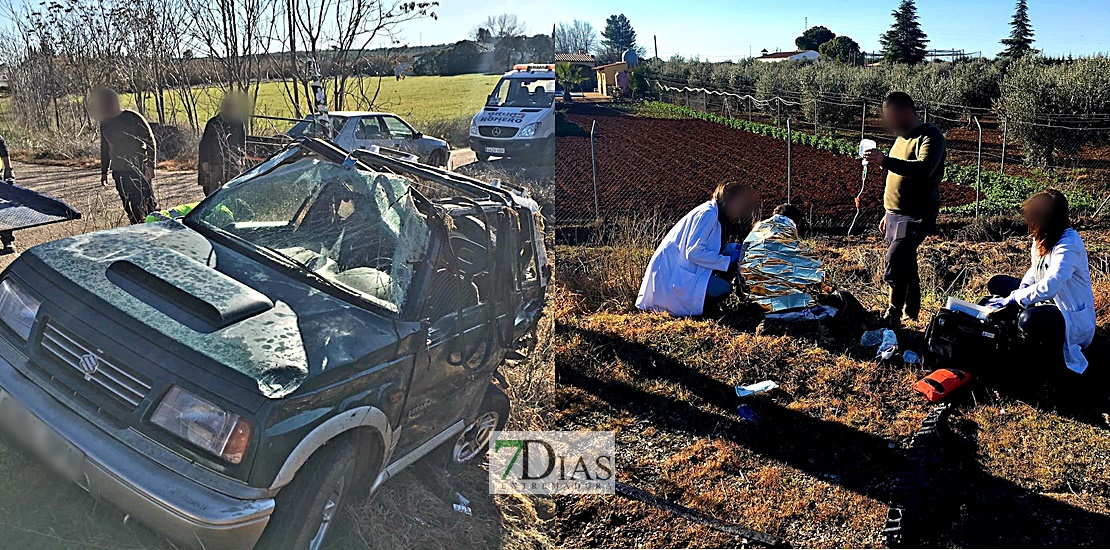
x=136 y=193
x=1042 y=326
x=903 y=235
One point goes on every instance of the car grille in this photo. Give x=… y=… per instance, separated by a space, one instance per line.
x=99 y=371
x=497 y=131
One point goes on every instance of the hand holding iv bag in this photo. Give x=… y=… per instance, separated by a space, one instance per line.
x=866 y=145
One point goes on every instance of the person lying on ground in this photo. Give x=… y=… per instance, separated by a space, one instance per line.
x=687 y=272
x=914 y=167
x=6 y=160
x=1055 y=296
x=779 y=270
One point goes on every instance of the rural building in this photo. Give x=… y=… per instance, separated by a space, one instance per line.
x=585 y=63
x=799 y=55
x=607 y=77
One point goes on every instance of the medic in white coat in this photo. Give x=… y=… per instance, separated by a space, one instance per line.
x=680 y=274
x=1060 y=279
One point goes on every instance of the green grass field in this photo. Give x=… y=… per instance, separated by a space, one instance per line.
x=421 y=100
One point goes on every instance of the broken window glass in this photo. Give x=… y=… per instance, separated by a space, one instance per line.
x=358 y=229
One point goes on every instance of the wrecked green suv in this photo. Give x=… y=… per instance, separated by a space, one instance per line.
x=234 y=377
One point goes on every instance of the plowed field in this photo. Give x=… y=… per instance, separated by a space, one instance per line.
x=667 y=166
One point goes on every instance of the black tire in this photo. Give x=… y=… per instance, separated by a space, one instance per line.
x=494 y=403
x=323 y=484
x=438 y=158
x=482 y=156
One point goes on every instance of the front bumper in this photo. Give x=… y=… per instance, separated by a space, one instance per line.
x=509 y=147
x=164 y=500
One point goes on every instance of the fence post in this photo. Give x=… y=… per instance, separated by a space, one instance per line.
x=814 y=116
x=863 y=121
x=727 y=113
x=749 y=108
x=978 y=167
x=1005 y=128
x=789 y=140
x=778 y=111
x=926 y=115
x=593 y=156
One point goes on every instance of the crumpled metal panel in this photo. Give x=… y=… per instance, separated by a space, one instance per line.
x=779 y=270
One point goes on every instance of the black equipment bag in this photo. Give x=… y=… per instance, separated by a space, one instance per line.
x=954 y=336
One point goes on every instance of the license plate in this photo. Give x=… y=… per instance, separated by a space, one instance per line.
x=498 y=150
x=28 y=430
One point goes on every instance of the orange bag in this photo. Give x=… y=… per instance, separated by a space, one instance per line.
x=940 y=383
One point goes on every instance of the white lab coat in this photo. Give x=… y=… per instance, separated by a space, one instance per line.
x=1064 y=278
x=678 y=273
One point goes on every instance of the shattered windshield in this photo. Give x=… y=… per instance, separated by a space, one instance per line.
x=358 y=229
x=523 y=92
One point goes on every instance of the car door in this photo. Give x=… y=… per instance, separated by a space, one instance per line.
x=404 y=136
x=371 y=131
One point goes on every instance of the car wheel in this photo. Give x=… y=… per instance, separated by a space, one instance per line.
x=475 y=439
x=306 y=510
x=438 y=158
x=482 y=156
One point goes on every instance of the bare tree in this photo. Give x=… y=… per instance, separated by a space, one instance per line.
x=339 y=35
x=504 y=25
x=578 y=36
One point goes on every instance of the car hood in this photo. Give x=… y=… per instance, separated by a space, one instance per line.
x=517 y=117
x=237 y=312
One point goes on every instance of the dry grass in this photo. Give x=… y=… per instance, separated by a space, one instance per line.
x=817 y=466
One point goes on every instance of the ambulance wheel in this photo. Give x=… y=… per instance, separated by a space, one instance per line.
x=482 y=157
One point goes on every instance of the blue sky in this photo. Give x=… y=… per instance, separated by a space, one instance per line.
x=722 y=29
x=718 y=29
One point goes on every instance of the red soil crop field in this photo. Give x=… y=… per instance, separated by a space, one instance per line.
x=652 y=166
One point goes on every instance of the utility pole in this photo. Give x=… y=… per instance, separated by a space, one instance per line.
x=806 y=28
x=655 y=38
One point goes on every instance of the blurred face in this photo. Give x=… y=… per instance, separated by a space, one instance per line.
x=899 y=120
x=103 y=107
x=740 y=205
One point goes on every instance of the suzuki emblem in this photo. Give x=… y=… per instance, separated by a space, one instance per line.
x=497 y=131
x=89 y=363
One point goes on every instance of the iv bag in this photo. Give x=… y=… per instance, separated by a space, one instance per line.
x=866 y=145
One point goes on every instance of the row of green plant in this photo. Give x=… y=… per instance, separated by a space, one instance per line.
x=1053 y=107
x=824 y=143
x=1000 y=193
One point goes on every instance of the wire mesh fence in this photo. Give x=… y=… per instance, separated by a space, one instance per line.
x=1070 y=141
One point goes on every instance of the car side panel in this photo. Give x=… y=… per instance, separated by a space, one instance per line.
x=382 y=387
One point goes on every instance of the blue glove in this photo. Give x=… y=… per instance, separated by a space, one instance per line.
x=734 y=251
x=1000 y=303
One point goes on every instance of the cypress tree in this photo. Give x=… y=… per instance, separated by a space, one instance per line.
x=905 y=41
x=1020 y=41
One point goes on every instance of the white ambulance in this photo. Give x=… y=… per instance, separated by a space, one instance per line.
x=518 y=119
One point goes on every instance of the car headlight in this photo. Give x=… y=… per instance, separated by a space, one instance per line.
x=473 y=127
x=17 y=308
x=203 y=424
x=530 y=130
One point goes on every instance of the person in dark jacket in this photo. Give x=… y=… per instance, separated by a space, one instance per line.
x=127 y=148
x=222 y=146
x=915 y=166
x=6 y=160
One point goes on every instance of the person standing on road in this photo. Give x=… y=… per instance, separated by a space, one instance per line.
x=6 y=160
x=127 y=148
x=222 y=146
x=915 y=167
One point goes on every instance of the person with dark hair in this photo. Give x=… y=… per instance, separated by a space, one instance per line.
x=1055 y=296
x=915 y=167
x=687 y=272
x=222 y=146
x=6 y=160
x=127 y=148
